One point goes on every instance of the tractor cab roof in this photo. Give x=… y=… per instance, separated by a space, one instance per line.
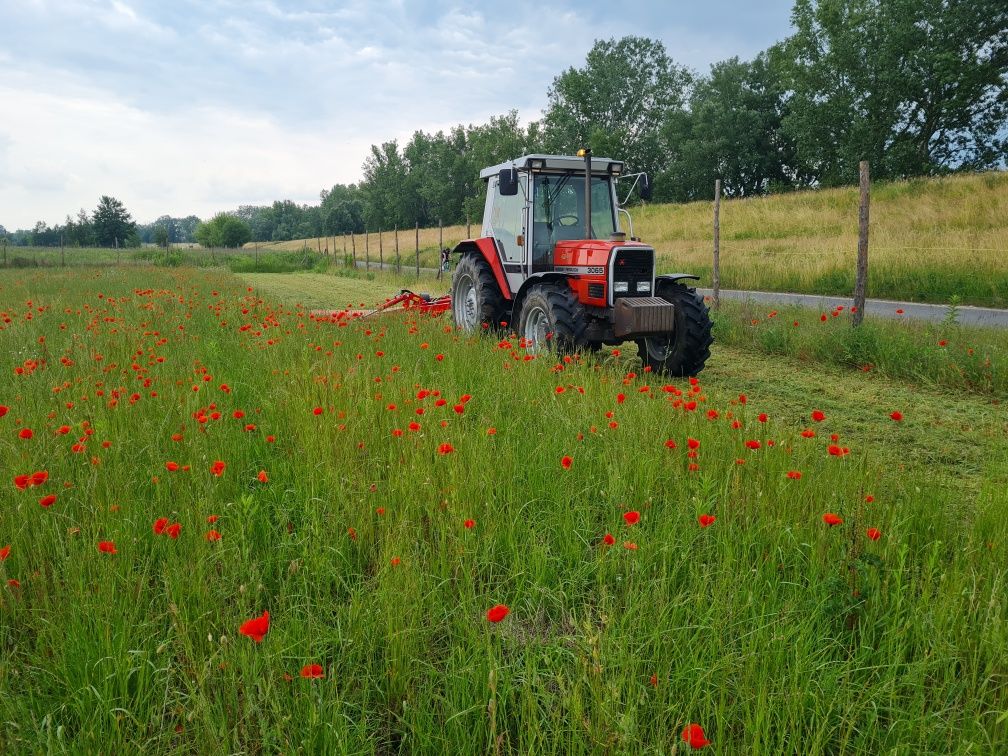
x=557 y=164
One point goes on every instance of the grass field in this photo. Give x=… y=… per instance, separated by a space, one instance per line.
x=378 y=487
x=932 y=240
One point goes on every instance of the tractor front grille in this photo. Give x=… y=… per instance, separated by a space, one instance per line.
x=596 y=290
x=634 y=265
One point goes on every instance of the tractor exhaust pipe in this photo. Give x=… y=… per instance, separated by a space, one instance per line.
x=586 y=153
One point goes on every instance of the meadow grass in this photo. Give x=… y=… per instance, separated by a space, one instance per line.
x=931 y=240
x=771 y=629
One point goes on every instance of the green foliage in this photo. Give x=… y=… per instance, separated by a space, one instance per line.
x=618 y=103
x=913 y=86
x=112 y=223
x=223 y=230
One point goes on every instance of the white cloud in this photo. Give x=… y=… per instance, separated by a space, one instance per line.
x=197 y=106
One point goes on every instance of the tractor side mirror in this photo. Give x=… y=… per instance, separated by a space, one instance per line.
x=507 y=182
x=645 y=187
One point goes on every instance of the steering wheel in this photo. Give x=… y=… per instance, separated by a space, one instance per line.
x=568 y=219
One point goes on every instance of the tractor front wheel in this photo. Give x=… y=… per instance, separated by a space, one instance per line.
x=477 y=301
x=684 y=351
x=552 y=316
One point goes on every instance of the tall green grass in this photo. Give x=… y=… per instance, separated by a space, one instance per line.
x=769 y=628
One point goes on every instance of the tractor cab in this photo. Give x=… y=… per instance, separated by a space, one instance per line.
x=538 y=201
x=553 y=260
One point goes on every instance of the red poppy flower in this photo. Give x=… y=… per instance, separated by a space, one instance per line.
x=706 y=520
x=213 y=536
x=159 y=525
x=212 y=518
x=48 y=500
x=256 y=628
x=753 y=444
x=818 y=415
x=794 y=474
x=4 y=409
x=831 y=519
x=312 y=671
x=609 y=539
x=899 y=311
x=107 y=547
x=631 y=518
x=395 y=561
x=896 y=415
x=566 y=462
x=5 y=552
x=13 y=583
x=263 y=477
x=692 y=443
x=25 y=433
x=173 y=530
x=317 y=411
x=869 y=498
x=38 y=478
x=620 y=398
x=873 y=533
x=497 y=613
x=217 y=468
x=414 y=426
x=670 y=444
x=762 y=417
x=171 y=466
x=446 y=448
x=629 y=545
x=469 y=524
x=62 y=430
x=693 y=734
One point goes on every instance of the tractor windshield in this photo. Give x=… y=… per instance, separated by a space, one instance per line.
x=558 y=213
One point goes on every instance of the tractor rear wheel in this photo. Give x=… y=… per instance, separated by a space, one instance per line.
x=552 y=316
x=477 y=301
x=684 y=351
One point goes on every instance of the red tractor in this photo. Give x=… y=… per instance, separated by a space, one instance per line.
x=553 y=263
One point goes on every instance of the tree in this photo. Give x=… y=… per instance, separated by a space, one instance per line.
x=732 y=131
x=618 y=102
x=161 y=235
x=112 y=223
x=913 y=86
x=223 y=230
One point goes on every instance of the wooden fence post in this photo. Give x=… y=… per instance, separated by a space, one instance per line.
x=398 y=263
x=381 y=251
x=418 y=250
x=353 y=249
x=440 y=246
x=861 y=282
x=367 y=250
x=716 y=272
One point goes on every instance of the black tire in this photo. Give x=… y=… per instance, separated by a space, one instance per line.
x=685 y=351
x=552 y=317
x=477 y=301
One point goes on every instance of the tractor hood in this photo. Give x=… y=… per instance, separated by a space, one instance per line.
x=592 y=252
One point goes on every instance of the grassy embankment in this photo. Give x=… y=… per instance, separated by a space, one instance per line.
x=773 y=630
x=931 y=240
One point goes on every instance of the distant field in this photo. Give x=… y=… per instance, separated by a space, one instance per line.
x=931 y=240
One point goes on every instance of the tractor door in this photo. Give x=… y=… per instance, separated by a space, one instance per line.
x=505 y=220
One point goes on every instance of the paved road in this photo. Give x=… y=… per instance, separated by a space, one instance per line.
x=886 y=308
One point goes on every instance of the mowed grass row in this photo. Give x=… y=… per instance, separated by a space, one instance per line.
x=769 y=628
x=931 y=240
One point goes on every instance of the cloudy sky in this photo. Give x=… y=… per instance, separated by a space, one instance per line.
x=180 y=107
